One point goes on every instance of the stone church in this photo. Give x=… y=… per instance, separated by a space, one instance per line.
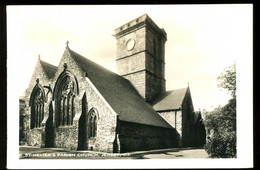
x=82 y=105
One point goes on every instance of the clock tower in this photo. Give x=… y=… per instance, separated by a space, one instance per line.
x=140 y=55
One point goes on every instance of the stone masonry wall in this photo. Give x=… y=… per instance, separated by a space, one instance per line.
x=155 y=49
x=188 y=121
x=106 y=124
x=174 y=118
x=155 y=44
x=23 y=123
x=67 y=137
x=153 y=86
x=132 y=61
x=171 y=117
x=134 y=137
x=36 y=136
x=138 y=81
x=148 y=57
x=155 y=66
x=131 y=64
x=150 y=63
x=155 y=81
x=139 y=37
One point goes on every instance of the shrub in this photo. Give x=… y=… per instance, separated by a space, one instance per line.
x=222 y=121
x=222 y=146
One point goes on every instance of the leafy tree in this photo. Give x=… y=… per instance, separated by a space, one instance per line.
x=222 y=120
x=227 y=79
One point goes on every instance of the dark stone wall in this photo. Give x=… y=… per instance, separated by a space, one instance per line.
x=66 y=137
x=174 y=118
x=187 y=121
x=199 y=133
x=23 y=122
x=137 y=137
x=138 y=81
x=191 y=131
x=36 y=136
x=155 y=78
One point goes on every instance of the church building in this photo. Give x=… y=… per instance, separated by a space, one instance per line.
x=82 y=105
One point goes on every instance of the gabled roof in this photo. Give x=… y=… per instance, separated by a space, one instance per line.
x=49 y=69
x=169 y=100
x=119 y=93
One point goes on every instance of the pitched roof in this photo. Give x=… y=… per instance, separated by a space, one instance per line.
x=169 y=100
x=49 y=69
x=120 y=94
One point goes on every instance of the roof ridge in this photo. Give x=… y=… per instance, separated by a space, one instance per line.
x=48 y=63
x=99 y=66
x=179 y=89
x=173 y=90
x=119 y=93
x=183 y=97
x=50 y=71
x=88 y=60
x=170 y=100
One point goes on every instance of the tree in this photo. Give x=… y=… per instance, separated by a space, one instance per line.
x=227 y=79
x=222 y=120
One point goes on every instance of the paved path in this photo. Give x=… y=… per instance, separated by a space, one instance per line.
x=29 y=152
x=176 y=153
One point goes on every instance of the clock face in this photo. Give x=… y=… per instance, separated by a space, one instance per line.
x=130 y=44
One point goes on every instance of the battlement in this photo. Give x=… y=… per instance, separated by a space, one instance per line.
x=136 y=24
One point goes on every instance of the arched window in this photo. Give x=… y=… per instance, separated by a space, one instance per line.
x=92 y=123
x=64 y=94
x=37 y=100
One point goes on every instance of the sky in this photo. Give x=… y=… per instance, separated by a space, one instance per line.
x=201 y=41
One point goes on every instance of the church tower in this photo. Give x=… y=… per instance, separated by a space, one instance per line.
x=140 y=55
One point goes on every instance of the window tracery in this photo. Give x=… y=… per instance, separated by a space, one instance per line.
x=37 y=101
x=66 y=102
x=65 y=92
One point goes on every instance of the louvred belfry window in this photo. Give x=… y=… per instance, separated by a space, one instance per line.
x=37 y=100
x=65 y=92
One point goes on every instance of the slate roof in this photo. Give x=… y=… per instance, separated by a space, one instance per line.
x=169 y=100
x=49 y=69
x=120 y=94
